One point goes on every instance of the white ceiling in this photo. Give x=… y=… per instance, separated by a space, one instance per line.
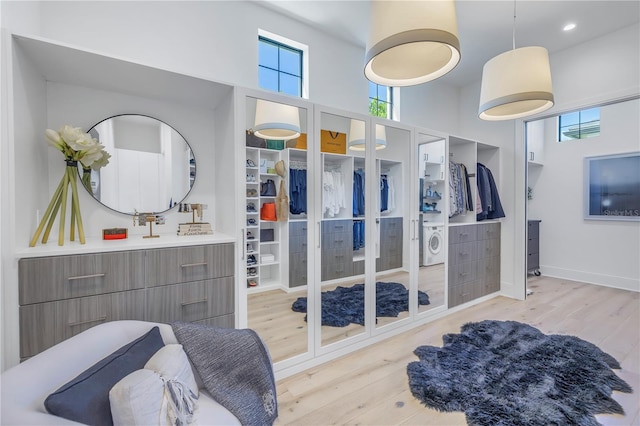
x=485 y=27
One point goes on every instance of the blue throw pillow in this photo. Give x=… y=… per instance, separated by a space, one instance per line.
x=85 y=399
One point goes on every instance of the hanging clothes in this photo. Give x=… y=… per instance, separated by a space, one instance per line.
x=358 y=234
x=333 y=193
x=298 y=190
x=391 y=203
x=488 y=194
x=358 y=192
x=384 y=193
x=460 y=198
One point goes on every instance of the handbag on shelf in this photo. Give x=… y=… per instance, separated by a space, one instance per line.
x=254 y=141
x=268 y=212
x=268 y=188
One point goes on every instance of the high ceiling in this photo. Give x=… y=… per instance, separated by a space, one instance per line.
x=485 y=27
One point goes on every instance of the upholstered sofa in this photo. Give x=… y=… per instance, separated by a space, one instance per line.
x=25 y=387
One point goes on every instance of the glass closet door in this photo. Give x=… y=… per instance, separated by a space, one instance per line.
x=276 y=270
x=394 y=230
x=342 y=228
x=432 y=167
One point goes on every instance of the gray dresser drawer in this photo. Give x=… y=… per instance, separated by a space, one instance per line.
x=462 y=252
x=298 y=244
x=47 y=279
x=337 y=227
x=463 y=293
x=43 y=325
x=487 y=231
x=462 y=273
x=192 y=263
x=336 y=270
x=298 y=229
x=488 y=248
x=190 y=301
x=462 y=234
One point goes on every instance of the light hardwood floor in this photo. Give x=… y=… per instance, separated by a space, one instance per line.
x=285 y=331
x=369 y=387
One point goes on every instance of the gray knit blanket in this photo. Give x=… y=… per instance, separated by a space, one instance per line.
x=235 y=367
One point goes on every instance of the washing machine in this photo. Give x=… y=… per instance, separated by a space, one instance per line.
x=433 y=243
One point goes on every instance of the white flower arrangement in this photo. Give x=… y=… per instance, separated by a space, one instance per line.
x=79 y=146
x=75 y=145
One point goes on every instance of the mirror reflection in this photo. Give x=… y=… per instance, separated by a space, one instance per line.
x=276 y=246
x=393 y=226
x=432 y=168
x=342 y=229
x=151 y=169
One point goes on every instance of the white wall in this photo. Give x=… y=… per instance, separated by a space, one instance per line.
x=596 y=251
x=601 y=69
x=212 y=39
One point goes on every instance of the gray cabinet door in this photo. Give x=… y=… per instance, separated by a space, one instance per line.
x=45 y=279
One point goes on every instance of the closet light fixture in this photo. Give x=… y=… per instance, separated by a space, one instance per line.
x=276 y=121
x=356 y=136
x=411 y=42
x=516 y=83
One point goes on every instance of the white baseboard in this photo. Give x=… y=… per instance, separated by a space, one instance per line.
x=624 y=283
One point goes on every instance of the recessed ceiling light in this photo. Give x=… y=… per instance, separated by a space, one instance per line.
x=569 y=27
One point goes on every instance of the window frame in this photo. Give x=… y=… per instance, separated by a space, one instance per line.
x=580 y=123
x=283 y=42
x=392 y=112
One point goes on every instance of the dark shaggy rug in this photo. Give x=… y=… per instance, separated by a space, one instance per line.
x=509 y=373
x=345 y=305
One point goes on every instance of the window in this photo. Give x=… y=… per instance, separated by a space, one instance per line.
x=380 y=101
x=279 y=67
x=579 y=124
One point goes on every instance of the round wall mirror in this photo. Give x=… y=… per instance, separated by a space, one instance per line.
x=151 y=169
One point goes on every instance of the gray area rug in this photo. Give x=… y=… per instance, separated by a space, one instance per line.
x=509 y=373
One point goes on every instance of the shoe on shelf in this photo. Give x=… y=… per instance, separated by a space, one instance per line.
x=251 y=283
x=250 y=163
x=251 y=222
x=251 y=208
x=251 y=260
x=249 y=237
x=252 y=272
x=251 y=192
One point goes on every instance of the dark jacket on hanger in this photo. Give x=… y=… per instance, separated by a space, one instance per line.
x=488 y=192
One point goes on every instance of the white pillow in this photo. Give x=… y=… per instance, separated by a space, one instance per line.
x=171 y=362
x=138 y=399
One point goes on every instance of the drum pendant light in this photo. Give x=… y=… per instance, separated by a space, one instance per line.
x=516 y=83
x=276 y=121
x=411 y=42
x=356 y=136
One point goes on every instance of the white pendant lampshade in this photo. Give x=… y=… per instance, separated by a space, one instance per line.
x=356 y=136
x=276 y=121
x=516 y=84
x=411 y=42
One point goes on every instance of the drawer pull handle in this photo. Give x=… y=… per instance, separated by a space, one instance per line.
x=74 y=324
x=83 y=277
x=464 y=234
x=462 y=253
x=183 y=304
x=463 y=274
x=191 y=265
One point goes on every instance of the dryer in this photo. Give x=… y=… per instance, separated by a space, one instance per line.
x=433 y=244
